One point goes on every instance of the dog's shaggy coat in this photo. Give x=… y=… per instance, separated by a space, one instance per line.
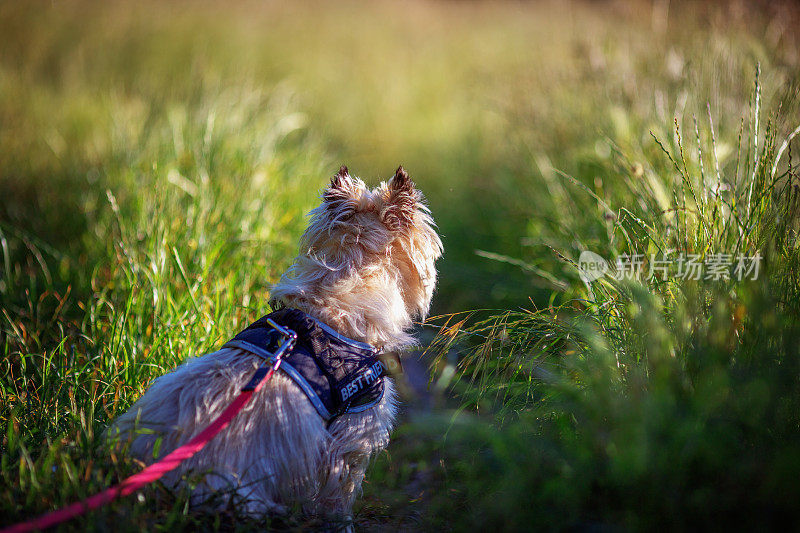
x=365 y=268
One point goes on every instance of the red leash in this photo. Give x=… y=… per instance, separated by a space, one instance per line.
x=170 y=461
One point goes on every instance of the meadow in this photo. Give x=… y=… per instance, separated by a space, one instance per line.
x=157 y=161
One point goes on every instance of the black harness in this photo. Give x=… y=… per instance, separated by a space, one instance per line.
x=338 y=375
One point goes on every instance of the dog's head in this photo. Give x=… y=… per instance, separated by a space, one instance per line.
x=387 y=231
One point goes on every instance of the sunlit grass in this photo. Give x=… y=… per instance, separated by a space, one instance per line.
x=662 y=401
x=157 y=160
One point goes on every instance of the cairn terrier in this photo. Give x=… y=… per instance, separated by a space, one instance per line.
x=365 y=270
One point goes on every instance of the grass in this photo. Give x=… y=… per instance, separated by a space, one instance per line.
x=647 y=403
x=157 y=162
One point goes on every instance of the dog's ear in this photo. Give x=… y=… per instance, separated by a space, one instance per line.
x=401 y=201
x=341 y=187
x=338 y=182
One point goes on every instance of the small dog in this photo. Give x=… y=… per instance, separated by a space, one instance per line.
x=365 y=270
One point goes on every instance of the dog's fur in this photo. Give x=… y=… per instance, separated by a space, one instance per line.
x=365 y=268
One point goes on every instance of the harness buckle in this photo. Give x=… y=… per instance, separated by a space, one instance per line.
x=289 y=338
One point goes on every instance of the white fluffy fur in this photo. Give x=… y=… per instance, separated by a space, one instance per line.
x=366 y=268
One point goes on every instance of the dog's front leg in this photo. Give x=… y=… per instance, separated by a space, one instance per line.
x=341 y=481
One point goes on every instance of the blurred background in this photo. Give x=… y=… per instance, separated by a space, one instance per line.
x=157 y=160
x=481 y=101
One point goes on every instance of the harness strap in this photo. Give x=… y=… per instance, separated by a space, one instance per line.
x=337 y=374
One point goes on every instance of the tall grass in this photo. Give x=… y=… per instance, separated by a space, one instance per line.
x=652 y=402
x=189 y=210
x=156 y=162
